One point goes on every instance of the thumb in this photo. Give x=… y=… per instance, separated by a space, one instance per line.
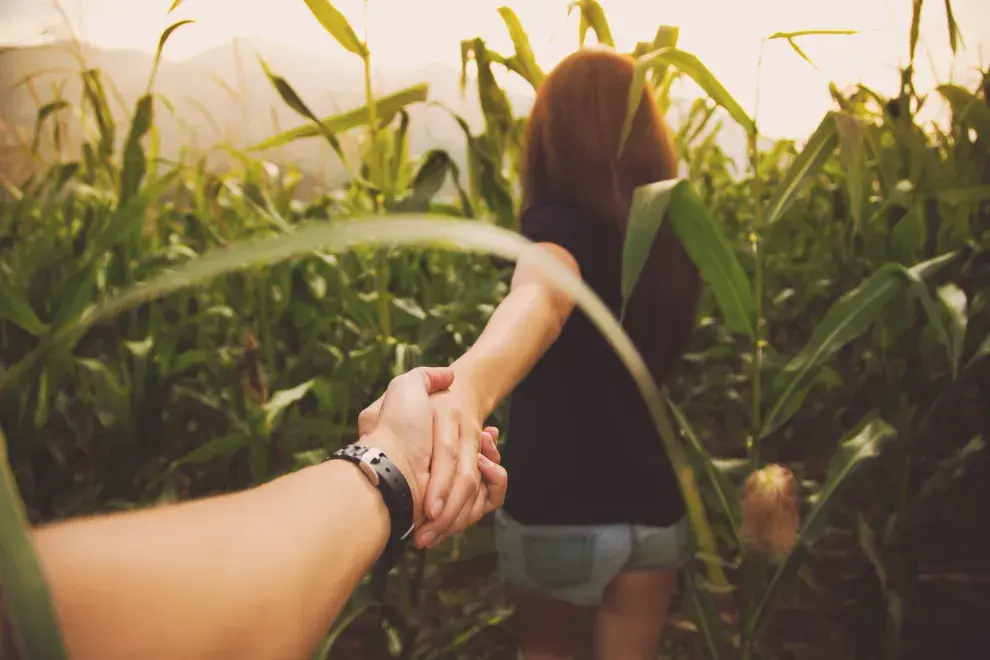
x=437 y=379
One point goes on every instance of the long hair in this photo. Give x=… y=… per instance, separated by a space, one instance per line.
x=570 y=158
x=572 y=138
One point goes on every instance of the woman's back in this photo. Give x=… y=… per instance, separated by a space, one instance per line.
x=582 y=447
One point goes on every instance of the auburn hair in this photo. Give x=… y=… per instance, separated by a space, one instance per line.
x=572 y=159
x=573 y=133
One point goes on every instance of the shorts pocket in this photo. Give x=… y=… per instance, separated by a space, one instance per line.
x=561 y=560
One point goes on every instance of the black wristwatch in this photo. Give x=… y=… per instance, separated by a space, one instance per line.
x=391 y=483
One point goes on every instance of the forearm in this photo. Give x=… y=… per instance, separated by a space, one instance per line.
x=519 y=332
x=258 y=574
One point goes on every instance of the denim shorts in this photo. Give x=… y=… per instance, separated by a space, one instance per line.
x=576 y=563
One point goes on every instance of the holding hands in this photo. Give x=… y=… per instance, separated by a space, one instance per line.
x=432 y=430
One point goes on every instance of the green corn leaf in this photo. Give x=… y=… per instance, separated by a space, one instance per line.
x=852 y=152
x=691 y=66
x=955 y=36
x=791 y=36
x=494 y=102
x=26 y=599
x=281 y=400
x=700 y=607
x=15 y=307
x=408 y=230
x=592 y=16
x=293 y=100
x=915 y=27
x=953 y=308
x=386 y=108
x=967 y=109
x=129 y=214
x=334 y=23
x=96 y=95
x=161 y=45
x=811 y=33
x=708 y=247
x=715 y=258
x=428 y=180
x=645 y=217
x=44 y=112
x=848 y=318
x=725 y=493
x=175 y=5
x=807 y=165
x=222 y=447
x=528 y=68
x=858 y=447
x=967 y=195
x=666 y=36
x=135 y=163
x=981 y=352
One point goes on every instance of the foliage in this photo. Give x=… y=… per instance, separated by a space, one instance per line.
x=169 y=331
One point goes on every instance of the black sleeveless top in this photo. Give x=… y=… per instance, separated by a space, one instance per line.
x=581 y=448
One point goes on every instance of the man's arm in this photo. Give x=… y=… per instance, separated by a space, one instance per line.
x=258 y=574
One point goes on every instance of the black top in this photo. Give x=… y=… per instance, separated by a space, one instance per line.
x=582 y=448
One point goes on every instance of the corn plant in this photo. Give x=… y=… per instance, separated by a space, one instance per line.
x=169 y=330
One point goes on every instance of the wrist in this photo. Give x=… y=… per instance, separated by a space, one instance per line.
x=381 y=438
x=464 y=383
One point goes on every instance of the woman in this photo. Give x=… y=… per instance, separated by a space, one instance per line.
x=593 y=527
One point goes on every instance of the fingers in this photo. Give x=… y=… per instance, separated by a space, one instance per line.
x=490 y=496
x=497 y=479
x=465 y=481
x=468 y=516
x=443 y=463
x=489 y=448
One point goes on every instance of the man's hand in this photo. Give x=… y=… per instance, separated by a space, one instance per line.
x=404 y=423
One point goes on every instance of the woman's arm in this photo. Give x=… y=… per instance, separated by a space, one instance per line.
x=522 y=328
x=519 y=332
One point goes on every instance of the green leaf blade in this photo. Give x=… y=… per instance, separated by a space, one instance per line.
x=691 y=66
x=715 y=258
x=808 y=164
x=337 y=26
x=528 y=68
x=386 y=107
x=27 y=600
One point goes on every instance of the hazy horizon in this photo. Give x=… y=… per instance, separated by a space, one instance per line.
x=411 y=34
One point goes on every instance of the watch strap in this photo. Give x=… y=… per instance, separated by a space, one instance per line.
x=391 y=483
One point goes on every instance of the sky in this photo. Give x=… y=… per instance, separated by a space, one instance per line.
x=725 y=34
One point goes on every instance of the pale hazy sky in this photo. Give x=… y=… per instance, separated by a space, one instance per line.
x=725 y=34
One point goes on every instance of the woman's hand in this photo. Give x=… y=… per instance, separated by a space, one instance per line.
x=465 y=478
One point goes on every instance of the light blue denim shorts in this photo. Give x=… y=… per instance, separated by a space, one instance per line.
x=576 y=563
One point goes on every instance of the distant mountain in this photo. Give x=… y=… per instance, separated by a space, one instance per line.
x=223 y=95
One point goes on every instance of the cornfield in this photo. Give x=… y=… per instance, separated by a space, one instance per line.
x=170 y=330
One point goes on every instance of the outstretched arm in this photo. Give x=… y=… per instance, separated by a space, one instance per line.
x=519 y=332
x=257 y=574
x=522 y=328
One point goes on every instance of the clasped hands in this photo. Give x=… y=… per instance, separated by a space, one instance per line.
x=432 y=430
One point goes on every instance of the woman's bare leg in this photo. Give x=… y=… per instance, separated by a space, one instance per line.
x=629 y=624
x=550 y=629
